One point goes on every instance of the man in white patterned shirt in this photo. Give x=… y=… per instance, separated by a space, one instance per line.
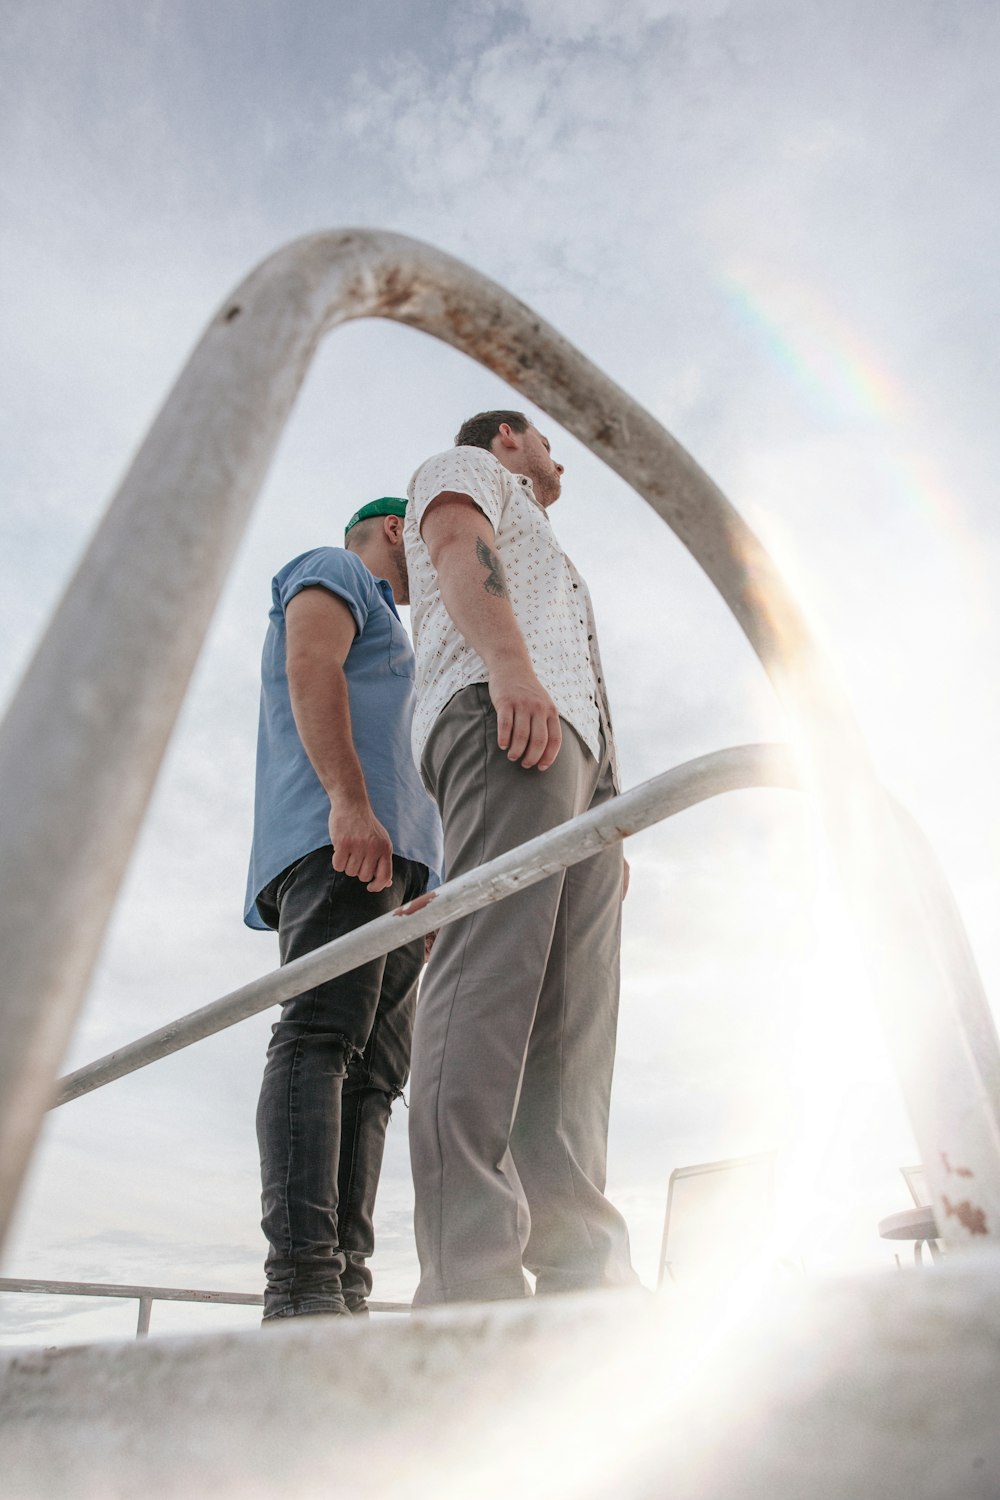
x=515 y=1033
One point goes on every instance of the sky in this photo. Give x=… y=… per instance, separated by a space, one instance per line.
x=774 y=223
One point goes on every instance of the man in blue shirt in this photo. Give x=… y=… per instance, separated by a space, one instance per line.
x=343 y=832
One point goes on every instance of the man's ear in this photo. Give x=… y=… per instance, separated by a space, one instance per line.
x=507 y=435
x=394 y=528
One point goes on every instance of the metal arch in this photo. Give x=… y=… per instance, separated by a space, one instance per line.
x=83 y=739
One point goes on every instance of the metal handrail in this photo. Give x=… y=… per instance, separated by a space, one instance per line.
x=672 y=792
x=740 y=767
x=147 y=1295
x=82 y=741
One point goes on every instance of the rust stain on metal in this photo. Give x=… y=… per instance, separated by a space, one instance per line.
x=971 y=1218
x=396 y=290
x=461 y=325
x=487 y=334
x=417 y=905
x=492 y=345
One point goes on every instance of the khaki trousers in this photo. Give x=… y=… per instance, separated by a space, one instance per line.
x=514 y=1042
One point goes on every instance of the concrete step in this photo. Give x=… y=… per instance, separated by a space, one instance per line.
x=876 y=1388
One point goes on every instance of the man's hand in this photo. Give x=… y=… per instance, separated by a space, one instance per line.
x=528 y=725
x=361 y=846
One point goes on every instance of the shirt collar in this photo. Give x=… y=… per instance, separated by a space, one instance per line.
x=385 y=589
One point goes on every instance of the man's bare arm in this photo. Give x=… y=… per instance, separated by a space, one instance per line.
x=462 y=546
x=320 y=629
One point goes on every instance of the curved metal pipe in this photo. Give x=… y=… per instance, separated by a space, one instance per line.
x=83 y=739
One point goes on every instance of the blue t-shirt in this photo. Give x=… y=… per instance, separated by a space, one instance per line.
x=291 y=809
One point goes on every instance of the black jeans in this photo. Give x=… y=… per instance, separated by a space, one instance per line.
x=337 y=1059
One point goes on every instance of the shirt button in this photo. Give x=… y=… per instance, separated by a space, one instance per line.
x=590 y=638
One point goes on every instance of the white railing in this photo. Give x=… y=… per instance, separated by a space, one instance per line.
x=83 y=738
x=144 y=1295
x=665 y=795
x=147 y=1295
x=674 y=791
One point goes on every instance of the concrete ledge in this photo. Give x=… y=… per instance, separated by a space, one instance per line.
x=884 y=1387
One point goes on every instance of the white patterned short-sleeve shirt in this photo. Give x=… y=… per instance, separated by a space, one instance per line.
x=550 y=600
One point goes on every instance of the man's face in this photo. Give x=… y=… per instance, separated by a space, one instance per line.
x=537 y=463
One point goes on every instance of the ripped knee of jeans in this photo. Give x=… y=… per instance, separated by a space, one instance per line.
x=360 y=1081
x=352 y=1053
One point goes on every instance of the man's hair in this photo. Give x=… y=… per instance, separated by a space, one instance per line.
x=361 y=532
x=479 y=431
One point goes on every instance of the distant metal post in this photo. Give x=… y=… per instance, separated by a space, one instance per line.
x=83 y=739
x=145 y=1313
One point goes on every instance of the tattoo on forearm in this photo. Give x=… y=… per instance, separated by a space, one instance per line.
x=494 y=583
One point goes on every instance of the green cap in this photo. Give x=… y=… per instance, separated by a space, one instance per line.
x=389 y=505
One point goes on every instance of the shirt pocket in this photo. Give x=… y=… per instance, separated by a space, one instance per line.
x=401 y=660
